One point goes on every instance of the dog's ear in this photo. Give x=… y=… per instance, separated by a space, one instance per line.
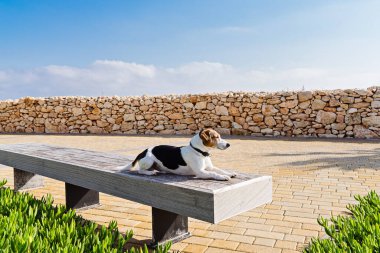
x=205 y=135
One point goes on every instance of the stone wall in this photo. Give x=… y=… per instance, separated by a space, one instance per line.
x=338 y=113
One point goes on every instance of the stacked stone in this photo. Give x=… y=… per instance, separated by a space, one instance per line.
x=338 y=113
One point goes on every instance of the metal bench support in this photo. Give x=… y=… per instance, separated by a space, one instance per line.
x=79 y=197
x=168 y=226
x=24 y=180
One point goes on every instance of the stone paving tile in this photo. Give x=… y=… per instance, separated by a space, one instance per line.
x=265 y=241
x=257 y=220
x=193 y=248
x=295 y=238
x=304 y=232
x=285 y=230
x=310 y=178
x=227 y=229
x=289 y=251
x=241 y=238
x=217 y=235
x=314 y=227
x=199 y=240
x=282 y=244
x=243 y=247
x=263 y=227
x=179 y=247
x=199 y=232
x=218 y=250
x=223 y=244
x=265 y=234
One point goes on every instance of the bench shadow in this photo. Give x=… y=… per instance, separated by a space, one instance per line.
x=131 y=243
x=134 y=243
x=357 y=159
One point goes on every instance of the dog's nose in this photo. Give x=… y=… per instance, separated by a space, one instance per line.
x=228 y=145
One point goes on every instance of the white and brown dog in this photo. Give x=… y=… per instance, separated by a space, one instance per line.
x=191 y=160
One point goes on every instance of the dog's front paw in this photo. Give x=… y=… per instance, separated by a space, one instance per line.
x=120 y=167
x=233 y=174
x=148 y=172
x=223 y=178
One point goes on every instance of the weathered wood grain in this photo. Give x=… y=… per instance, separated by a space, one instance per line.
x=206 y=200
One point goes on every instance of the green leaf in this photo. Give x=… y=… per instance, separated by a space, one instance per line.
x=31 y=225
x=359 y=232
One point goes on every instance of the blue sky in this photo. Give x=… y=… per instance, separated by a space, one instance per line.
x=92 y=48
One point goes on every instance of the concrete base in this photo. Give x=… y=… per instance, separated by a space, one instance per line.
x=78 y=197
x=168 y=226
x=24 y=180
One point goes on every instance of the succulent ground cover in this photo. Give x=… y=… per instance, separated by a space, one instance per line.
x=31 y=225
x=357 y=233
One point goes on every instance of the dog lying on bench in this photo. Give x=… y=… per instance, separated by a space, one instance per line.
x=191 y=160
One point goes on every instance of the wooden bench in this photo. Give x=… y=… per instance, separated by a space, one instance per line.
x=173 y=198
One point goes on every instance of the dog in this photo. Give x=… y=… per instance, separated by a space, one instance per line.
x=191 y=160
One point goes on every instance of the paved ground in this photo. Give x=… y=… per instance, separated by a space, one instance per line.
x=311 y=178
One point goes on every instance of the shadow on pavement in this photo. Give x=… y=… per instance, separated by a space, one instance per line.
x=357 y=159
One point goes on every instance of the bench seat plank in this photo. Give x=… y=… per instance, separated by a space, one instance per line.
x=207 y=200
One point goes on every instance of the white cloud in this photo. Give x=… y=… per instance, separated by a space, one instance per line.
x=106 y=77
x=133 y=68
x=199 y=68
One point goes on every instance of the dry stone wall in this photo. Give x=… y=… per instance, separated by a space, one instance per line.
x=338 y=113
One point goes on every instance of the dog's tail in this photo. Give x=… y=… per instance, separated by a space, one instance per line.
x=132 y=166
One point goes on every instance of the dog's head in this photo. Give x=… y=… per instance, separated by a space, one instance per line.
x=211 y=138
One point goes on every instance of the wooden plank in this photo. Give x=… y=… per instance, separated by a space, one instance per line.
x=200 y=199
x=235 y=199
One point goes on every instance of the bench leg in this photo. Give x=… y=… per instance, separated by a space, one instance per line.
x=168 y=226
x=24 y=180
x=79 y=197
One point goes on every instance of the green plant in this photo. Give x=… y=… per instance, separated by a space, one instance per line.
x=31 y=225
x=359 y=233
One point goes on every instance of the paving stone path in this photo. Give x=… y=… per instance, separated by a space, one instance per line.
x=311 y=177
